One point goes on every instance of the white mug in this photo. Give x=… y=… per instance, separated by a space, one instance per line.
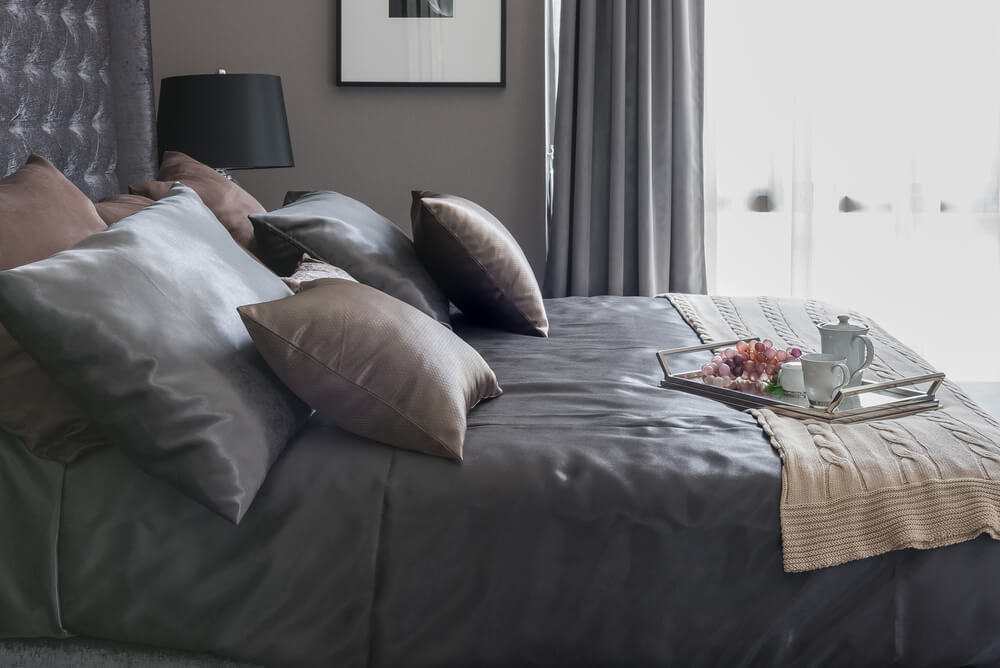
x=824 y=376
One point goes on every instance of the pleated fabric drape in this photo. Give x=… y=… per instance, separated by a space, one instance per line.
x=627 y=205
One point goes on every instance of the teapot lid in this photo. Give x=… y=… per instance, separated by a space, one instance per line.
x=842 y=325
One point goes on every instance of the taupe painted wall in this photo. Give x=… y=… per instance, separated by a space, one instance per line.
x=376 y=144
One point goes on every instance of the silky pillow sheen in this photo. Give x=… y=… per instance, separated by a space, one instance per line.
x=478 y=263
x=344 y=232
x=230 y=203
x=139 y=325
x=41 y=213
x=373 y=365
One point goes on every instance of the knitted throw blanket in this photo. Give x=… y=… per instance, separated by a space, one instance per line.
x=851 y=491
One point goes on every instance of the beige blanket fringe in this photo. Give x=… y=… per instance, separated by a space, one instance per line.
x=857 y=490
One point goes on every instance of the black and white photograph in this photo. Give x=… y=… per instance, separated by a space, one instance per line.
x=421 y=43
x=421 y=9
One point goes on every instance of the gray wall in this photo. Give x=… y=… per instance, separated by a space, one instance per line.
x=376 y=144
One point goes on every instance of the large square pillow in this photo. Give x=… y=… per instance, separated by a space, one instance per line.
x=227 y=200
x=478 y=263
x=41 y=213
x=373 y=365
x=344 y=232
x=139 y=325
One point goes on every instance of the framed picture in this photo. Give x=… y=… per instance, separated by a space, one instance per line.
x=421 y=42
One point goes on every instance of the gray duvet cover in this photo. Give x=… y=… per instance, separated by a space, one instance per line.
x=596 y=520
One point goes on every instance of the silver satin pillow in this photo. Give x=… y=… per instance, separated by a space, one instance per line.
x=139 y=325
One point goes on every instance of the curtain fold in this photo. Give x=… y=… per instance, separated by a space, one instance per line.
x=627 y=205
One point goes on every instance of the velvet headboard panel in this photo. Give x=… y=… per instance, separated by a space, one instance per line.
x=76 y=87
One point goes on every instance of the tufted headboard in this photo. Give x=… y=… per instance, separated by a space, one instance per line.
x=76 y=87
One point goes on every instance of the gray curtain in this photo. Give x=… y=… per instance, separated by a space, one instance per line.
x=627 y=209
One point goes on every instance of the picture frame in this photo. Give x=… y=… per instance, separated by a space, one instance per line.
x=422 y=43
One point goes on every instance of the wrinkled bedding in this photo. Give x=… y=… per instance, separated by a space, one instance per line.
x=597 y=519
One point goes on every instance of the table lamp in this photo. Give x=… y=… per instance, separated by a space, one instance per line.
x=227 y=121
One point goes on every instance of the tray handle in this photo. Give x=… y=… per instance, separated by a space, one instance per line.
x=661 y=356
x=935 y=379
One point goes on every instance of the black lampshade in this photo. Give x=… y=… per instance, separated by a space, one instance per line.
x=227 y=121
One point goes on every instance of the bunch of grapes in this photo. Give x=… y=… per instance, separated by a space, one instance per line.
x=748 y=366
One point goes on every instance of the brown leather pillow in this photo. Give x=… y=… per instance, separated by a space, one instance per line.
x=230 y=203
x=477 y=262
x=373 y=364
x=41 y=213
x=115 y=207
x=310 y=269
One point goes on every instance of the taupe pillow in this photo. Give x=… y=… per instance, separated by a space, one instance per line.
x=310 y=269
x=227 y=200
x=41 y=213
x=477 y=263
x=373 y=365
x=115 y=207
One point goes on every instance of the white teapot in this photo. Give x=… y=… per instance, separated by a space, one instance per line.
x=850 y=342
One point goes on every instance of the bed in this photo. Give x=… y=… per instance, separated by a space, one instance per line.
x=597 y=519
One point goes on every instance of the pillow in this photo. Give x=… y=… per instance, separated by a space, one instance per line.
x=477 y=263
x=294 y=196
x=230 y=203
x=373 y=365
x=344 y=232
x=311 y=269
x=41 y=213
x=139 y=324
x=115 y=207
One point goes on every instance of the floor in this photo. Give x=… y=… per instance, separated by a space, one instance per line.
x=985 y=394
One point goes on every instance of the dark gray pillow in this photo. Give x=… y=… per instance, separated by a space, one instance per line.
x=477 y=262
x=344 y=232
x=139 y=325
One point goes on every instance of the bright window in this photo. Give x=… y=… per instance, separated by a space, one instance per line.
x=853 y=155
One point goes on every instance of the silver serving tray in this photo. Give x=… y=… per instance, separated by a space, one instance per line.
x=869 y=401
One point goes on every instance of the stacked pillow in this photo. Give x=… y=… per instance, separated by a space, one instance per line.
x=41 y=213
x=230 y=203
x=114 y=208
x=364 y=353
x=200 y=363
x=169 y=373
x=344 y=232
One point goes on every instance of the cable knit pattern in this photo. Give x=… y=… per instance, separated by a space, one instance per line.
x=728 y=310
x=851 y=491
x=66 y=95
